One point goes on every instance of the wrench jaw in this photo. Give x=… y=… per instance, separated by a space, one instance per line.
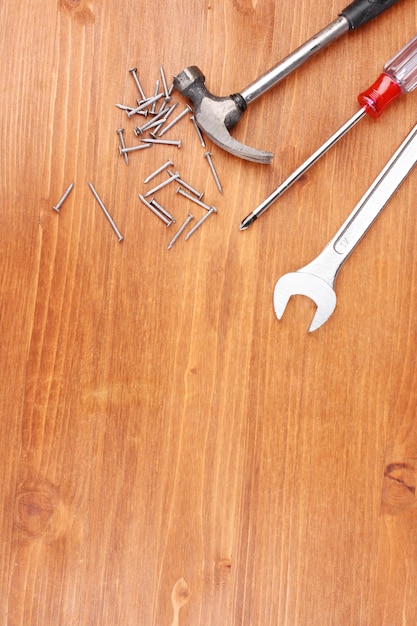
x=311 y=286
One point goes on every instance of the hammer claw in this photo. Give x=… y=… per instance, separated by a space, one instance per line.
x=216 y=116
x=218 y=133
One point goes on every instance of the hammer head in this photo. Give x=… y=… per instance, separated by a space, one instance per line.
x=216 y=116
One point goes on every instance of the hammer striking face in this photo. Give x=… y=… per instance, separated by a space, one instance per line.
x=216 y=116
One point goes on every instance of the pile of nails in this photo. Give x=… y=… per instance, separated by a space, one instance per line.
x=156 y=127
x=152 y=133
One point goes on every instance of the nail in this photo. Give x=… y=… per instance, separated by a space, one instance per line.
x=162 y=210
x=63 y=198
x=105 y=211
x=177 y=119
x=193 y=199
x=154 y=133
x=158 y=171
x=134 y=148
x=163 y=106
x=155 y=211
x=153 y=122
x=164 y=81
x=198 y=131
x=168 y=113
x=153 y=109
x=124 y=107
x=133 y=71
x=120 y=132
x=199 y=194
x=213 y=171
x=164 y=141
x=144 y=105
x=180 y=230
x=139 y=130
x=203 y=219
x=160 y=186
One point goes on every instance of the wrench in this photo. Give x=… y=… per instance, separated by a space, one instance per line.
x=317 y=279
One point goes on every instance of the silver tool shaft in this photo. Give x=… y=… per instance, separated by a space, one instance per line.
x=290 y=63
x=292 y=178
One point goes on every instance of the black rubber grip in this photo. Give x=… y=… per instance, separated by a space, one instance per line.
x=361 y=11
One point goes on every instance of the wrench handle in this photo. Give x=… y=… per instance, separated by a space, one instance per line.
x=376 y=197
x=360 y=12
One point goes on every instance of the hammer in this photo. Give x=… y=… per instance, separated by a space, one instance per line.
x=216 y=115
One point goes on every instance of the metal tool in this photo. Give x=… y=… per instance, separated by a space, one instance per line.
x=317 y=279
x=399 y=76
x=105 y=211
x=217 y=115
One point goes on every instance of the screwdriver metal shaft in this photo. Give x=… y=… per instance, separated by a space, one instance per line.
x=292 y=178
x=399 y=76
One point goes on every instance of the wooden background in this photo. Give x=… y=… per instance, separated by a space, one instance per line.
x=172 y=454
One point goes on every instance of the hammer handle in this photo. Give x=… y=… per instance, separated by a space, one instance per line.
x=360 y=12
x=354 y=15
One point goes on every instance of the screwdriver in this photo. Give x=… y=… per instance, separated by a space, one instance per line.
x=399 y=76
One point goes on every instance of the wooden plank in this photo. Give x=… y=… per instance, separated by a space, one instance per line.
x=171 y=453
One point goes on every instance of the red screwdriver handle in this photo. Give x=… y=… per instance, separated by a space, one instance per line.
x=379 y=95
x=399 y=76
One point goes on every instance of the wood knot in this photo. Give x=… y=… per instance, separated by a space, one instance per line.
x=80 y=10
x=38 y=511
x=399 y=488
x=179 y=597
x=225 y=565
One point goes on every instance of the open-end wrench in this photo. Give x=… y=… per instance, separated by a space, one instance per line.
x=317 y=279
x=216 y=115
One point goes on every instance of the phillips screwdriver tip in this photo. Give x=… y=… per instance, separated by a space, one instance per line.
x=248 y=221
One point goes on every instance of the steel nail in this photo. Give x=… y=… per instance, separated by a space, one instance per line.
x=153 y=109
x=154 y=133
x=180 y=230
x=193 y=199
x=203 y=219
x=139 y=130
x=174 y=121
x=163 y=106
x=153 y=121
x=199 y=194
x=166 y=142
x=124 y=107
x=144 y=105
x=133 y=72
x=162 y=210
x=105 y=211
x=63 y=198
x=156 y=211
x=164 y=81
x=198 y=131
x=134 y=148
x=160 y=186
x=213 y=171
x=120 y=132
x=158 y=171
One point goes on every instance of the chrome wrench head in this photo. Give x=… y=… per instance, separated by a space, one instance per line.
x=305 y=284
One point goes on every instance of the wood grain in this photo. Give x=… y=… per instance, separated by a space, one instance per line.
x=171 y=454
